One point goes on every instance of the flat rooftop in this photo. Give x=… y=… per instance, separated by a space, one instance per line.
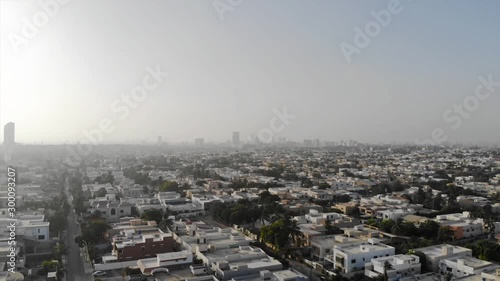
x=472 y=262
x=437 y=250
x=363 y=248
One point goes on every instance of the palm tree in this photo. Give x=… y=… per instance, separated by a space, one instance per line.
x=489 y=225
x=294 y=232
x=387 y=266
x=264 y=216
x=396 y=229
x=166 y=223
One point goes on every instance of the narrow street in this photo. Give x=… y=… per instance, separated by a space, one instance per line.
x=74 y=267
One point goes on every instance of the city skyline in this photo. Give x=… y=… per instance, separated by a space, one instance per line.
x=251 y=139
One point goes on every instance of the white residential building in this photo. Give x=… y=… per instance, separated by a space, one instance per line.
x=349 y=258
x=400 y=266
x=394 y=214
x=32 y=226
x=280 y=275
x=112 y=211
x=465 y=266
x=322 y=246
x=245 y=260
x=462 y=225
x=434 y=254
x=165 y=260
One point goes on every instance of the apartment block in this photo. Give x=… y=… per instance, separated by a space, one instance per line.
x=351 y=258
x=434 y=254
x=400 y=266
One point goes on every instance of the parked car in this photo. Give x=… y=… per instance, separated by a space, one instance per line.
x=99 y=274
x=159 y=270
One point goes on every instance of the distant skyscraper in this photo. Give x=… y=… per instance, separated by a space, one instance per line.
x=9 y=134
x=236 y=138
x=199 y=141
x=317 y=143
x=159 y=139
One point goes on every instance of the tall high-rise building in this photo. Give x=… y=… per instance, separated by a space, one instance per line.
x=317 y=143
x=159 y=139
x=236 y=138
x=308 y=142
x=9 y=134
x=199 y=141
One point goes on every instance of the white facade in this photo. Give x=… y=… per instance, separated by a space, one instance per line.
x=400 y=266
x=434 y=254
x=165 y=260
x=465 y=266
x=351 y=258
x=394 y=214
x=33 y=226
x=111 y=211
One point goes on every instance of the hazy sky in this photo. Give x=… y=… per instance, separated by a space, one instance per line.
x=228 y=73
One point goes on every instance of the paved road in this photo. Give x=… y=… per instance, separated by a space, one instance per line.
x=74 y=266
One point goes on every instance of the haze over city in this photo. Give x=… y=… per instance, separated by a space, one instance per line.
x=228 y=68
x=249 y=140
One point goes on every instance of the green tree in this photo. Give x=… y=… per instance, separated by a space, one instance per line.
x=429 y=229
x=330 y=229
x=169 y=186
x=278 y=234
x=386 y=225
x=101 y=192
x=153 y=215
x=445 y=234
x=94 y=232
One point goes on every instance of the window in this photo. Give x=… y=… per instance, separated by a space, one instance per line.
x=41 y=237
x=121 y=211
x=38 y=230
x=353 y=261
